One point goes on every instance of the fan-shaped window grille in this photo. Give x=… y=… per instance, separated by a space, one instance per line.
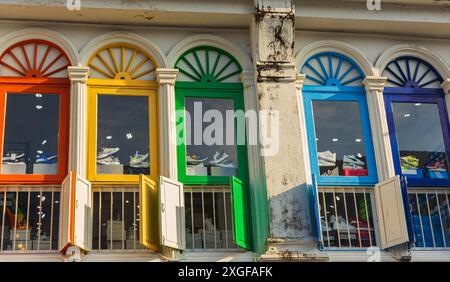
x=34 y=59
x=208 y=64
x=332 y=69
x=411 y=72
x=122 y=61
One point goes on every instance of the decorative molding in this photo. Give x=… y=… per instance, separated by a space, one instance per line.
x=374 y=83
x=299 y=80
x=209 y=40
x=412 y=50
x=276 y=72
x=44 y=34
x=78 y=73
x=248 y=78
x=123 y=37
x=446 y=86
x=166 y=76
x=339 y=47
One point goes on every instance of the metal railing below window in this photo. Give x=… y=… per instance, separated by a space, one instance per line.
x=116 y=218
x=430 y=211
x=209 y=222
x=29 y=218
x=346 y=217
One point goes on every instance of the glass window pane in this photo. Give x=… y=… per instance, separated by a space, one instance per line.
x=31 y=134
x=339 y=138
x=209 y=156
x=123 y=135
x=420 y=140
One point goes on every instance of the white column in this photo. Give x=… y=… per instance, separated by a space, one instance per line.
x=78 y=119
x=446 y=87
x=378 y=122
x=167 y=124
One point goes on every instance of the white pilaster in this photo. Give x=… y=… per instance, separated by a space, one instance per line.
x=380 y=131
x=167 y=124
x=78 y=119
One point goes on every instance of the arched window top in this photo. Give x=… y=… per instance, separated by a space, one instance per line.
x=34 y=59
x=332 y=69
x=208 y=64
x=122 y=61
x=411 y=72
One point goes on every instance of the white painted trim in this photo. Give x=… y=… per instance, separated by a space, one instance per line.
x=125 y=37
x=412 y=50
x=210 y=40
x=335 y=46
x=43 y=34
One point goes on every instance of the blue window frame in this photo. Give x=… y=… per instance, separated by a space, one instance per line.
x=418 y=122
x=335 y=104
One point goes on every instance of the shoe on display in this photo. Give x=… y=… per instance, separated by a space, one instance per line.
x=326 y=158
x=437 y=166
x=228 y=163
x=217 y=159
x=409 y=162
x=13 y=157
x=105 y=152
x=46 y=159
x=324 y=226
x=194 y=159
x=343 y=225
x=138 y=160
x=350 y=161
x=109 y=161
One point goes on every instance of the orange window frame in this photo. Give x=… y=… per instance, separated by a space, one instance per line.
x=59 y=86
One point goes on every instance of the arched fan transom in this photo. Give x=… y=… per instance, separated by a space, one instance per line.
x=332 y=69
x=122 y=61
x=208 y=64
x=34 y=59
x=411 y=72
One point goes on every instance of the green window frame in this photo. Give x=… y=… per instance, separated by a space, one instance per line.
x=233 y=92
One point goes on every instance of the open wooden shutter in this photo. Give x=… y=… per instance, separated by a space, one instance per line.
x=241 y=210
x=172 y=215
x=390 y=213
x=74 y=225
x=315 y=194
x=148 y=210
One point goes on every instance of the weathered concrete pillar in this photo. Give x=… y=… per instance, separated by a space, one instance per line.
x=273 y=43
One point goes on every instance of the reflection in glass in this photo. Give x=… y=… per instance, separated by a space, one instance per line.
x=339 y=138
x=420 y=142
x=31 y=134
x=123 y=135
x=209 y=157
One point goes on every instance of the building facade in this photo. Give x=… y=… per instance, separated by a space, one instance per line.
x=346 y=132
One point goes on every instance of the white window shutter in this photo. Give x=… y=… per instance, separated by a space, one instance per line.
x=390 y=213
x=172 y=214
x=64 y=213
x=74 y=222
x=82 y=230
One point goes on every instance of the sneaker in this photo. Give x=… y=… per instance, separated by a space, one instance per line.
x=227 y=163
x=139 y=160
x=352 y=162
x=194 y=159
x=109 y=161
x=217 y=159
x=13 y=157
x=105 y=152
x=46 y=159
x=326 y=158
x=437 y=166
x=409 y=162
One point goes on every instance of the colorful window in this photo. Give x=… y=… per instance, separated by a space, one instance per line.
x=212 y=154
x=122 y=115
x=34 y=101
x=418 y=122
x=337 y=119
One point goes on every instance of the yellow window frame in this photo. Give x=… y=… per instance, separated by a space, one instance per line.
x=121 y=88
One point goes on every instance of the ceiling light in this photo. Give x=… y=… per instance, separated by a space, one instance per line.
x=358 y=140
x=39 y=107
x=335 y=139
x=109 y=137
x=417 y=104
x=129 y=136
x=38 y=95
x=407 y=115
x=43 y=142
